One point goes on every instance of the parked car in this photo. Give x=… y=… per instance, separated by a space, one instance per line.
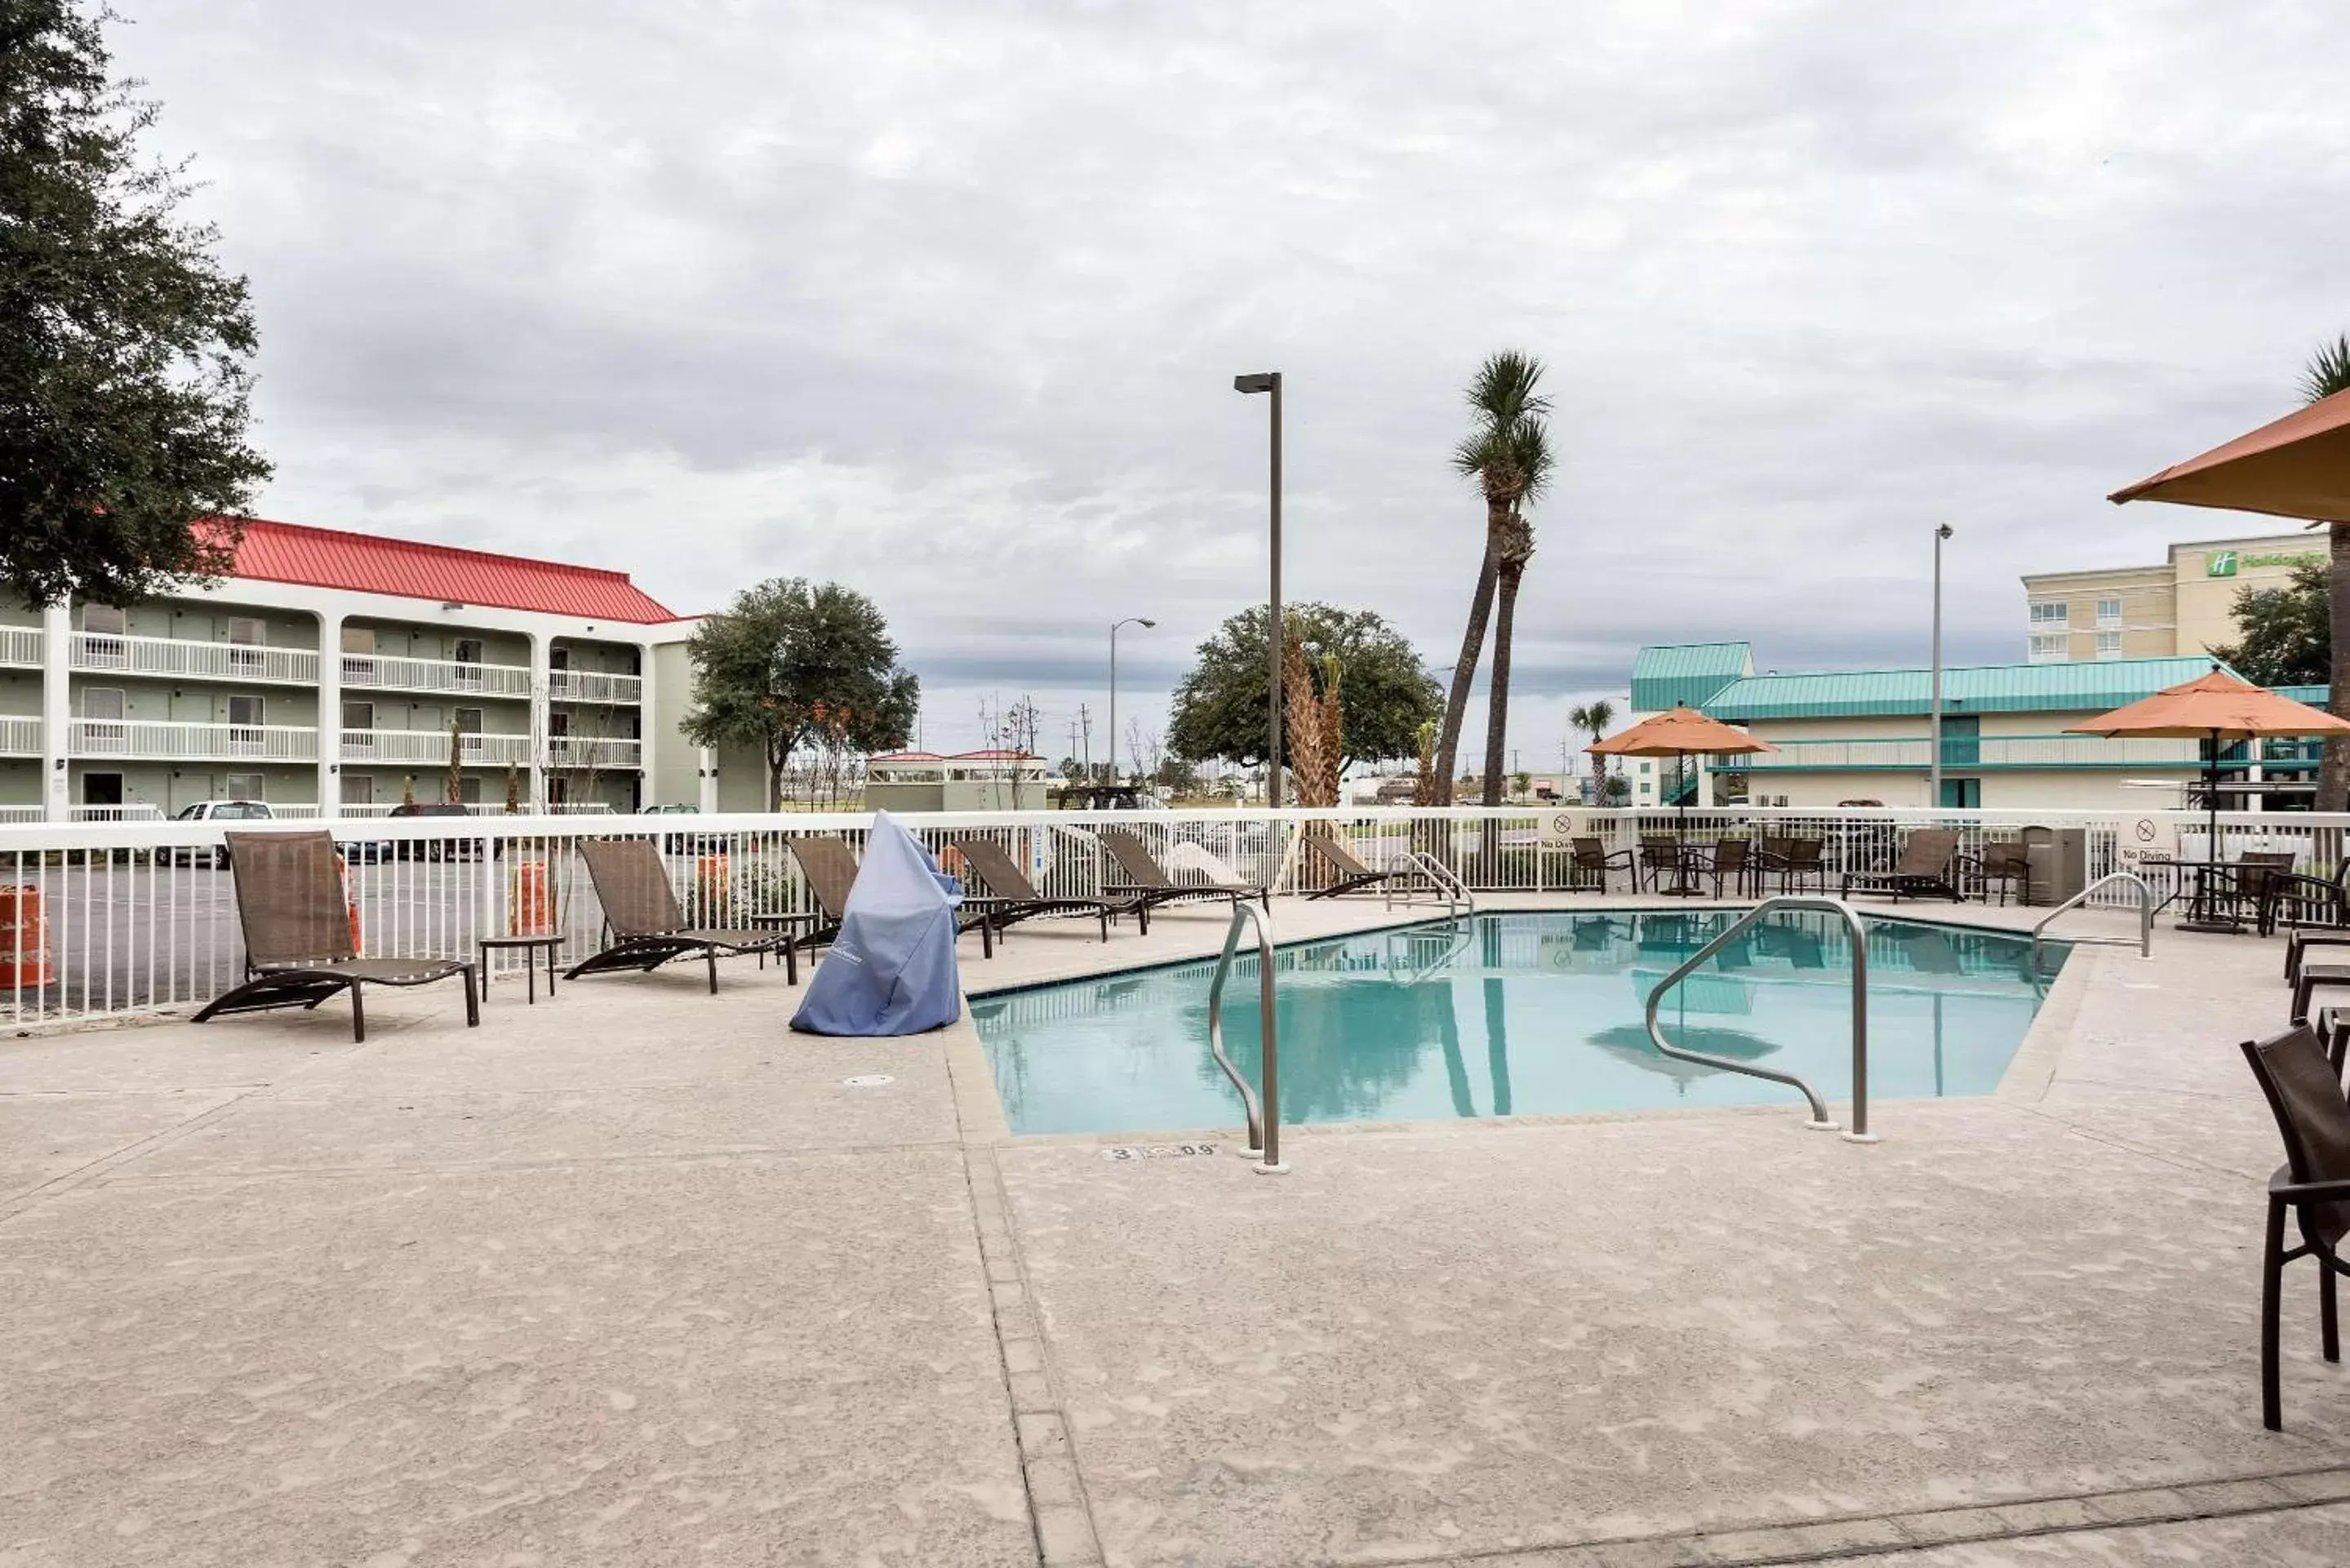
x=216 y=811
x=433 y=848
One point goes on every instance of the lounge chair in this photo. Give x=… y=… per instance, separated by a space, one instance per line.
x=1593 y=858
x=1011 y=896
x=297 y=934
x=1149 y=884
x=647 y=927
x=1352 y=875
x=1924 y=868
x=830 y=868
x=2304 y=1093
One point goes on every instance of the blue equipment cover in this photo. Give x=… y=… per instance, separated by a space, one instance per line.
x=891 y=970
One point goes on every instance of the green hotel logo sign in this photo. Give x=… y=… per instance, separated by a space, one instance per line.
x=2224 y=563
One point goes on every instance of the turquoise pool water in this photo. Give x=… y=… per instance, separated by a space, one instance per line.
x=1526 y=1013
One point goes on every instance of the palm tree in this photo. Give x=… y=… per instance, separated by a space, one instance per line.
x=1503 y=406
x=1593 y=719
x=2328 y=372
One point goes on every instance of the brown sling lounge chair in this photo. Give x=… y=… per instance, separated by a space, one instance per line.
x=297 y=933
x=830 y=868
x=647 y=929
x=1147 y=884
x=1011 y=896
x=2304 y=1093
x=1352 y=875
x=1923 y=869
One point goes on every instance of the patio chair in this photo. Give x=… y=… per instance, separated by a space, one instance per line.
x=830 y=868
x=298 y=950
x=1796 y=861
x=1924 y=868
x=1011 y=896
x=1731 y=863
x=1592 y=858
x=2304 y=1093
x=2004 y=865
x=2270 y=884
x=645 y=927
x=1149 y=885
x=1352 y=875
x=1658 y=855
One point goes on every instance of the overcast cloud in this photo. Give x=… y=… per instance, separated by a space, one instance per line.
x=944 y=300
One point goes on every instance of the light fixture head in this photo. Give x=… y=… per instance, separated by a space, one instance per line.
x=1262 y=382
x=1146 y=621
x=1944 y=532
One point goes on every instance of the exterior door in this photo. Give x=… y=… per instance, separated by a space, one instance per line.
x=101 y=789
x=246 y=715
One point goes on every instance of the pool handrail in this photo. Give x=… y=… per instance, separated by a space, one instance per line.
x=1445 y=879
x=2145 y=917
x=1820 y=1121
x=1263 y=1116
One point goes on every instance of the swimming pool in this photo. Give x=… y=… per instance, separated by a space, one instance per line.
x=1519 y=1012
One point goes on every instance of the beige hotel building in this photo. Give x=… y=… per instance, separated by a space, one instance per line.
x=2185 y=605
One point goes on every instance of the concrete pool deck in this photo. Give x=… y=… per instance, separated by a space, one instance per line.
x=635 y=1277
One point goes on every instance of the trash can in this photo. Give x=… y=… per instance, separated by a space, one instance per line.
x=2056 y=863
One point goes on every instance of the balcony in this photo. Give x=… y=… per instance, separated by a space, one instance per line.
x=593 y=686
x=179 y=743
x=429 y=748
x=184 y=659
x=20 y=737
x=20 y=647
x=449 y=676
x=592 y=751
x=1913 y=754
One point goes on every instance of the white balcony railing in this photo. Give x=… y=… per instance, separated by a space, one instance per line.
x=20 y=737
x=430 y=748
x=593 y=686
x=185 y=659
x=20 y=646
x=175 y=741
x=463 y=678
x=1989 y=752
x=587 y=751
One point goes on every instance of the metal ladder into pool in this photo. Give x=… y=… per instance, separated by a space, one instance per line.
x=1442 y=877
x=1263 y=1116
x=2145 y=943
x=1820 y=1121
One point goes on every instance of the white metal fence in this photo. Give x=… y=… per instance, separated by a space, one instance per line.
x=100 y=918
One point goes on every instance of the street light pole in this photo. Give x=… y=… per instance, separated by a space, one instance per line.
x=1131 y=620
x=1270 y=382
x=1934 y=698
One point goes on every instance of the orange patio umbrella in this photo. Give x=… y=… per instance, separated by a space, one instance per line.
x=2218 y=708
x=1682 y=732
x=2298 y=466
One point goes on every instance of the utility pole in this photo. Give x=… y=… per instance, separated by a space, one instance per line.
x=1085 y=723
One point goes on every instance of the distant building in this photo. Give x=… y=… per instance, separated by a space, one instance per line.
x=992 y=780
x=2185 y=605
x=1862 y=734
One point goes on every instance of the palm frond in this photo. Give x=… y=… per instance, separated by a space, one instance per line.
x=2328 y=371
x=1529 y=448
x=1502 y=391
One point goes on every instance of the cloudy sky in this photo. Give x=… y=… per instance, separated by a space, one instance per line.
x=944 y=300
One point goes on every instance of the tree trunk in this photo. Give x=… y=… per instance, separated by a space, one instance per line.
x=2333 y=773
x=1464 y=675
x=1598 y=773
x=1497 y=693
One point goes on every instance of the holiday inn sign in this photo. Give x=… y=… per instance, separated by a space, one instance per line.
x=2224 y=563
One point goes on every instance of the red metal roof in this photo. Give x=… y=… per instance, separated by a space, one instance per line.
x=906 y=757
x=370 y=563
x=994 y=755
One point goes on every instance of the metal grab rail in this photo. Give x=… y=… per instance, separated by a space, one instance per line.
x=1446 y=880
x=1264 y=1120
x=2145 y=917
x=1820 y=1122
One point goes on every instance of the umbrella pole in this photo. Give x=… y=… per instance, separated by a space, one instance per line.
x=2203 y=911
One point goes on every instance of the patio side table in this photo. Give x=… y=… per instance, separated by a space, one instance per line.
x=552 y=941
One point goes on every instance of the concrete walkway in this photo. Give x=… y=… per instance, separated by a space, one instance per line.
x=636 y=1276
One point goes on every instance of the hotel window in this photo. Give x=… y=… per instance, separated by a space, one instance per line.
x=2109 y=645
x=2109 y=612
x=2048 y=612
x=2048 y=649
x=246 y=786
